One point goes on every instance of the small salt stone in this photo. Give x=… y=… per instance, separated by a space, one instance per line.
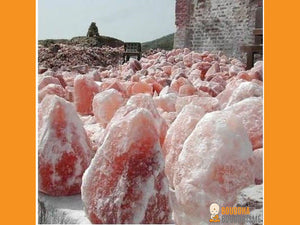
x=105 y=104
x=84 y=91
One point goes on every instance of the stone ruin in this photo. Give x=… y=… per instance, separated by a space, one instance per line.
x=213 y=25
x=93 y=31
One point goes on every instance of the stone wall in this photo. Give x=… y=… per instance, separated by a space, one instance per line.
x=215 y=25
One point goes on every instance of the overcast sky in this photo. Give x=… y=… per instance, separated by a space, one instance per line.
x=128 y=20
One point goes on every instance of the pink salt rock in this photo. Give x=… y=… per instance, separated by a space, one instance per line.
x=135 y=78
x=245 y=90
x=105 y=104
x=257 y=165
x=84 y=91
x=188 y=60
x=225 y=95
x=167 y=70
x=69 y=77
x=212 y=88
x=141 y=87
x=45 y=80
x=145 y=101
x=186 y=90
x=169 y=117
x=69 y=93
x=166 y=90
x=196 y=57
x=219 y=78
x=178 y=132
x=135 y=65
x=125 y=183
x=176 y=84
x=215 y=68
x=257 y=71
x=213 y=166
x=166 y=102
x=208 y=104
x=61 y=79
x=194 y=75
x=244 y=75
x=64 y=150
x=250 y=110
x=115 y=84
x=95 y=133
x=51 y=89
x=234 y=70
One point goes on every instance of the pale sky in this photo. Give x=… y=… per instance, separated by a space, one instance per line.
x=127 y=20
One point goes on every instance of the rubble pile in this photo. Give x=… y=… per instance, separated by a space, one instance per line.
x=169 y=135
x=65 y=57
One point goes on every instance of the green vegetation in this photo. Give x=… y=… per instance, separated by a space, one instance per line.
x=165 y=42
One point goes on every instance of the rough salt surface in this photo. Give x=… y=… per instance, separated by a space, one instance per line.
x=145 y=101
x=257 y=164
x=212 y=167
x=51 y=89
x=84 y=91
x=250 y=110
x=125 y=182
x=63 y=148
x=245 y=90
x=105 y=104
x=207 y=103
x=180 y=129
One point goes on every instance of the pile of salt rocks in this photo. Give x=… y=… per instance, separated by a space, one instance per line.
x=169 y=134
x=65 y=57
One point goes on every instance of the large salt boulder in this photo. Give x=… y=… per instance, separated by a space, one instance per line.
x=105 y=104
x=64 y=150
x=125 y=182
x=250 y=110
x=84 y=91
x=213 y=167
x=178 y=132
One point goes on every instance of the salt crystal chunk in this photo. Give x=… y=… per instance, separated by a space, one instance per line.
x=63 y=147
x=125 y=182
x=213 y=167
x=105 y=104
x=141 y=87
x=45 y=80
x=245 y=90
x=145 y=101
x=84 y=91
x=51 y=89
x=178 y=132
x=250 y=110
x=166 y=102
x=207 y=103
x=257 y=165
